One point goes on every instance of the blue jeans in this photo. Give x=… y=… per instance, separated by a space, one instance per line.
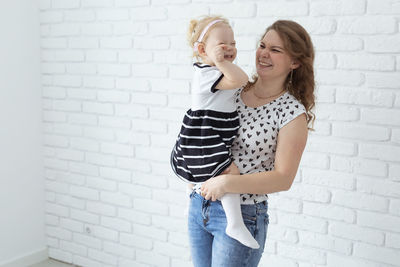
x=209 y=244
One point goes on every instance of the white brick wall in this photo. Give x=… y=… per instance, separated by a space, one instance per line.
x=116 y=78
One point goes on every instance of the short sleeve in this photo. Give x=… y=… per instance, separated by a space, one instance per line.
x=207 y=78
x=291 y=109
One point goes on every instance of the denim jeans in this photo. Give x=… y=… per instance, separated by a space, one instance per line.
x=211 y=246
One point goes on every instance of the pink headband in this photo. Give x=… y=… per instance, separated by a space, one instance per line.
x=196 y=44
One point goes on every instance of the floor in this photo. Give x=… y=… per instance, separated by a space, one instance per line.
x=51 y=263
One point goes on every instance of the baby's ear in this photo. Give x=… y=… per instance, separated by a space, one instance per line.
x=201 y=48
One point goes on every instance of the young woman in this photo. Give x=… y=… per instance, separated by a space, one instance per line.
x=275 y=115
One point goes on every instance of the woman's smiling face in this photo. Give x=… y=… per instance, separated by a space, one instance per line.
x=272 y=60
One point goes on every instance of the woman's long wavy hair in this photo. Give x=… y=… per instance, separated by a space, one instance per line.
x=298 y=45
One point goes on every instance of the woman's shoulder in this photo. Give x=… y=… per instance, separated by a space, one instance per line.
x=290 y=108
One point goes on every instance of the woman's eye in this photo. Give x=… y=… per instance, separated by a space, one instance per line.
x=275 y=50
x=262 y=46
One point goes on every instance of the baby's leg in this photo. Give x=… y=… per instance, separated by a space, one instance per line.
x=235 y=226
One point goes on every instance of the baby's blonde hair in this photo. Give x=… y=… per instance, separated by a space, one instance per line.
x=196 y=26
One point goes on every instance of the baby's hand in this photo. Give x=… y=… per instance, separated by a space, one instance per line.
x=218 y=54
x=232 y=169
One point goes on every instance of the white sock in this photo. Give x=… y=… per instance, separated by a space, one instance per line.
x=235 y=226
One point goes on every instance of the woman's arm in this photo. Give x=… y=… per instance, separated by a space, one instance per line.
x=292 y=140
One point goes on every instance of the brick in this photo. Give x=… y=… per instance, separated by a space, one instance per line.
x=370 y=167
x=144 y=13
x=171 y=250
x=67 y=80
x=381 y=152
x=383 y=7
x=60 y=255
x=367 y=25
x=381 y=116
x=298 y=8
x=356 y=233
x=117 y=199
x=131 y=28
x=309 y=192
x=328 y=179
x=53 y=68
x=170 y=27
x=82 y=119
x=69 y=201
x=131 y=111
x=114 y=69
x=114 y=122
x=394 y=172
x=152 y=43
x=84 y=216
x=98 y=108
x=51 y=17
x=118 y=249
x=71 y=225
x=364 y=97
x=53 y=43
x=333 y=147
x=84 y=192
x=302 y=253
x=101 y=55
x=340 y=77
x=84 y=144
x=330 y=212
x=149 y=70
x=134 y=216
x=337 y=8
x=145 y=205
x=246 y=10
x=65 y=29
x=378 y=187
x=135 y=191
x=393 y=240
x=133 y=164
x=149 y=99
x=84 y=261
x=101 y=184
x=78 y=93
x=70 y=154
x=383 y=80
x=100 y=159
x=132 y=84
x=58 y=232
x=359 y=200
x=97 y=133
x=116 y=224
x=325 y=242
x=137 y=56
x=88 y=241
x=80 y=15
x=104 y=233
x=338 y=43
x=115 y=174
x=135 y=241
x=366 y=62
x=335 y=260
x=83 y=168
x=97 y=3
x=53 y=92
x=303 y=222
x=379 y=254
x=100 y=208
x=384 y=44
x=122 y=42
x=73 y=248
x=360 y=132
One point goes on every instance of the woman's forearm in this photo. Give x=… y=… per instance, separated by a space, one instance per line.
x=258 y=183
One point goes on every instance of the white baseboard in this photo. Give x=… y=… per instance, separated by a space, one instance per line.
x=27 y=259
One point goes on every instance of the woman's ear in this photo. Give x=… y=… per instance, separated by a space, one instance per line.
x=295 y=64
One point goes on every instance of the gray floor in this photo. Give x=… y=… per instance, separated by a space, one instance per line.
x=51 y=263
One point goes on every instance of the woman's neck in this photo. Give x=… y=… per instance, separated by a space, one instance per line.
x=268 y=88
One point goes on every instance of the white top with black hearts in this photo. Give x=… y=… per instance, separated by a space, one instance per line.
x=255 y=145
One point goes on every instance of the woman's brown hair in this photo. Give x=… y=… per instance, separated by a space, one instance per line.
x=298 y=45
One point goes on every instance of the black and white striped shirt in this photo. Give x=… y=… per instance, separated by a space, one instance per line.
x=202 y=149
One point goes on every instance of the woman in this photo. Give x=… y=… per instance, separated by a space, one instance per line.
x=274 y=111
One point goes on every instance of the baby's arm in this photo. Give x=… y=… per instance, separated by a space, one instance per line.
x=234 y=77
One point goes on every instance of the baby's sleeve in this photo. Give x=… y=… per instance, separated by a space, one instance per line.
x=209 y=78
